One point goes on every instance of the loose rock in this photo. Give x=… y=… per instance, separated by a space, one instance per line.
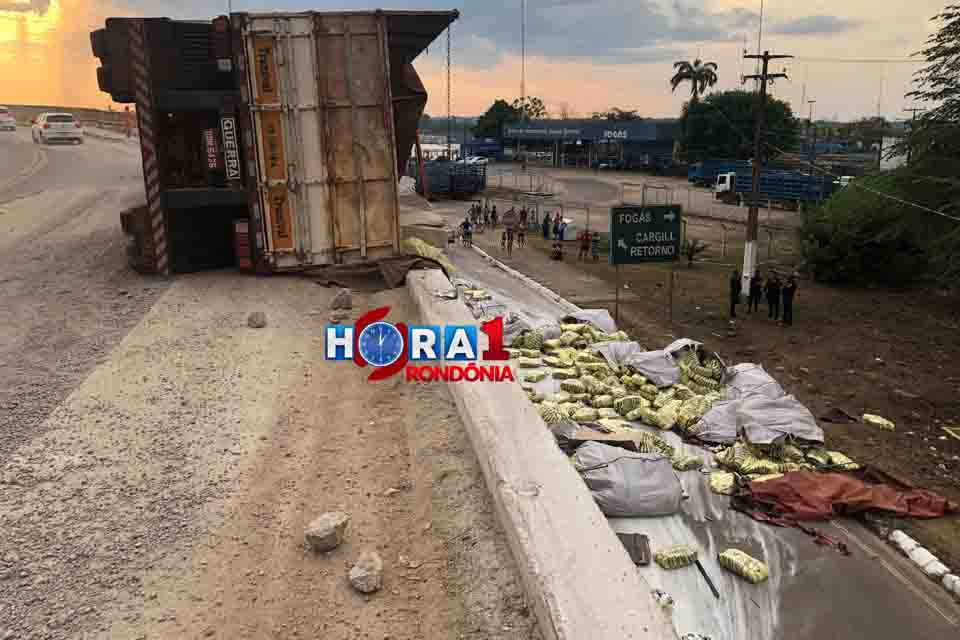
x=257 y=320
x=343 y=300
x=366 y=576
x=327 y=532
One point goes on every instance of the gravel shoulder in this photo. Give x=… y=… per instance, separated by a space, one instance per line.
x=167 y=496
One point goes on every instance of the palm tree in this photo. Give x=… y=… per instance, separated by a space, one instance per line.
x=699 y=74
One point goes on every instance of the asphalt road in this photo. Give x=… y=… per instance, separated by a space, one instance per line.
x=96 y=163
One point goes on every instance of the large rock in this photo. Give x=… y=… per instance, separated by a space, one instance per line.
x=367 y=574
x=343 y=300
x=327 y=532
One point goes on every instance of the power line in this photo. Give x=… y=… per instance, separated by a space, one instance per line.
x=861 y=60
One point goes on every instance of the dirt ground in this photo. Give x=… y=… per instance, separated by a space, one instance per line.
x=872 y=351
x=167 y=496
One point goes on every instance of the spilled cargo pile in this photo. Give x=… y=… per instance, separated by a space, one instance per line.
x=601 y=394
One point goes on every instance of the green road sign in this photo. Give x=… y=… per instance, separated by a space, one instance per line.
x=641 y=234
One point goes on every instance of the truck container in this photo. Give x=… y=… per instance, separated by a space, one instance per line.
x=784 y=189
x=704 y=173
x=295 y=123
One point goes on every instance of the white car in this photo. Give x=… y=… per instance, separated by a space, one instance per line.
x=7 y=121
x=56 y=127
x=476 y=160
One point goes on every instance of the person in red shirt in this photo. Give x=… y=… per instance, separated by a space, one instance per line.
x=584 y=239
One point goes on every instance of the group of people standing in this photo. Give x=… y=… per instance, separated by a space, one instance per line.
x=773 y=289
x=589 y=245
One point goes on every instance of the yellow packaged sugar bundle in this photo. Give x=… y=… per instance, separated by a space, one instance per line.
x=649 y=391
x=682 y=392
x=552 y=345
x=586 y=414
x=589 y=383
x=599 y=369
x=569 y=338
x=588 y=356
x=683 y=462
x=550 y=413
x=553 y=361
x=650 y=443
x=563 y=374
x=529 y=353
x=784 y=452
x=535 y=376
x=560 y=397
x=643 y=414
x=534 y=396
x=628 y=403
x=618 y=336
x=754 y=465
x=528 y=363
x=733 y=456
x=534 y=340
x=573 y=328
x=513 y=353
x=665 y=396
x=602 y=402
x=721 y=482
x=745 y=566
x=570 y=408
x=676 y=557
x=841 y=462
x=819 y=457
x=618 y=392
x=666 y=416
x=582 y=398
x=615 y=425
x=634 y=381
x=572 y=386
x=607 y=413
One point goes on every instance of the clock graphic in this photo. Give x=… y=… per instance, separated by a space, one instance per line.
x=380 y=344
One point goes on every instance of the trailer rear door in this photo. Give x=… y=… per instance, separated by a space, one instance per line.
x=321 y=108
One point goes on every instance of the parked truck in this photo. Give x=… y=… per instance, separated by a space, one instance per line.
x=704 y=174
x=784 y=189
x=270 y=141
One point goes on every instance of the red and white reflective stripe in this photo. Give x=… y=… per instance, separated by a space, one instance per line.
x=148 y=146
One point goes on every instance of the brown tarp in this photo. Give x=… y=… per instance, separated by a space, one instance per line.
x=804 y=495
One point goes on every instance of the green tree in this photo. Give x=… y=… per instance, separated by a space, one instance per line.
x=617 y=114
x=491 y=124
x=721 y=126
x=530 y=108
x=701 y=75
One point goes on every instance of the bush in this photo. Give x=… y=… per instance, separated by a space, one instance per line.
x=860 y=237
x=691 y=248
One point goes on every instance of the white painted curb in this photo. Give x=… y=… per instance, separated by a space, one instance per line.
x=926 y=561
x=577 y=576
x=528 y=281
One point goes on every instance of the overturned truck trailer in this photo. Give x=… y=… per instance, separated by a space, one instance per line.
x=269 y=141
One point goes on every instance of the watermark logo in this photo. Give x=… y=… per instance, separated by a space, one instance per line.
x=426 y=353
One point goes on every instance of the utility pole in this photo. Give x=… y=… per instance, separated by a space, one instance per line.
x=750 y=249
x=813 y=146
x=913 y=118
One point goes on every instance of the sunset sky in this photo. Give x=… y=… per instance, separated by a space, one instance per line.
x=582 y=55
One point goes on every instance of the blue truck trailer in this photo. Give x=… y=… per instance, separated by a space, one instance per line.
x=704 y=174
x=780 y=188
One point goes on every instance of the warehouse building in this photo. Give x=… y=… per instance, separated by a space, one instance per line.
x=640 y=144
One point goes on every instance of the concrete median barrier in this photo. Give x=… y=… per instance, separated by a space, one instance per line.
x=577 y=575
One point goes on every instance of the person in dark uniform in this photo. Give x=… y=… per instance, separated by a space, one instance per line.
x=755 y=293
x=789 y=290
x=772 y=289
x=595 y=246
x=736 y=288
x=493 y=215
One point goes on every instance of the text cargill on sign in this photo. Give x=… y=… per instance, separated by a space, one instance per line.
x=641 y=234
